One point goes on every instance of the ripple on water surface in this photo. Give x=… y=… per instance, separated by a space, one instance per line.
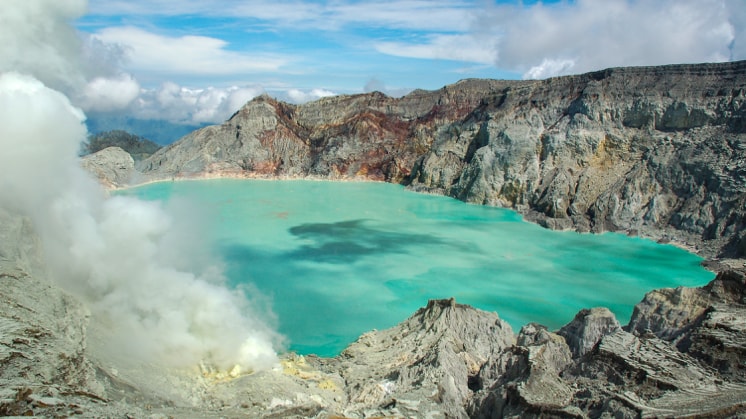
x=342 y=258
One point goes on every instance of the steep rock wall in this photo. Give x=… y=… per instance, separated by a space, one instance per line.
x=656 y=151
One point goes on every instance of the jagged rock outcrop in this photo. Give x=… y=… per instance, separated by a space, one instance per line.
x=112 y=166
x=646 y=371
x=709 y=323
x=656 y=151
x=526 y=377
x=587 y=328
x=425 y=366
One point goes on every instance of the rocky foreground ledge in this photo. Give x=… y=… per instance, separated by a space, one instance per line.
x=683 y=354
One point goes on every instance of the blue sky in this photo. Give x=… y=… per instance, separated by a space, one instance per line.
x=197 y=61
x=335 y=46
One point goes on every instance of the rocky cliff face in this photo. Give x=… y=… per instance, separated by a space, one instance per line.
x=657 y=151
x=112 y=166
x=368 y=136
x=45 y=367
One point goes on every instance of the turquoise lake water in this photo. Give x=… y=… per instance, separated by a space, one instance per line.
x=341 y=258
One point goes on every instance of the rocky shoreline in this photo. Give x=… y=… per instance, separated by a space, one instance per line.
x=657 y=151
x=115 y=170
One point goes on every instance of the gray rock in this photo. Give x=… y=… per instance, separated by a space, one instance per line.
x=587 y=329
x=650 y=150
x=44 y=367
x=708 y=323
x=426 y=366
x=526 y=378
x=112 y=166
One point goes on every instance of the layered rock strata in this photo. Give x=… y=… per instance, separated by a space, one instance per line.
x=655 y=151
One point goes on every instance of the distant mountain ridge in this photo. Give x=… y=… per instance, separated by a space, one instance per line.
x=160 y=131
x=138 y=147
x=657 y=151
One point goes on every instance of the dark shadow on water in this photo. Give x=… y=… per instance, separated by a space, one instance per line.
x=338 y=229
x=348 y=241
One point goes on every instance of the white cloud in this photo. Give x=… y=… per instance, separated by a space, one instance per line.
x=300 y=96
x=192 y=106
x=179 y=104
x=212 y=105
x=544 y=39
x=537 y=41
x=113 y=253
x=184 y=55
x=549 y=68
x=444 y=47
x=441 y=15
x=35 y=38
x=108 y=94
x=738 y=20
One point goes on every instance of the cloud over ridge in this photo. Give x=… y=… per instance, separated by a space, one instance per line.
x=585 y=35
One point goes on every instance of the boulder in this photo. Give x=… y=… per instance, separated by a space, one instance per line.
x=587 y=329
x=112 y=166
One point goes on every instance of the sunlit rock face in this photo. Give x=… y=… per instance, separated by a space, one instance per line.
x=658 y=151
x=112 y=166
x=368 y=136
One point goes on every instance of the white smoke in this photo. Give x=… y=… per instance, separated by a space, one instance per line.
x=549 y=39
x=111 y=251
x=36 y=38
x=121 y=256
